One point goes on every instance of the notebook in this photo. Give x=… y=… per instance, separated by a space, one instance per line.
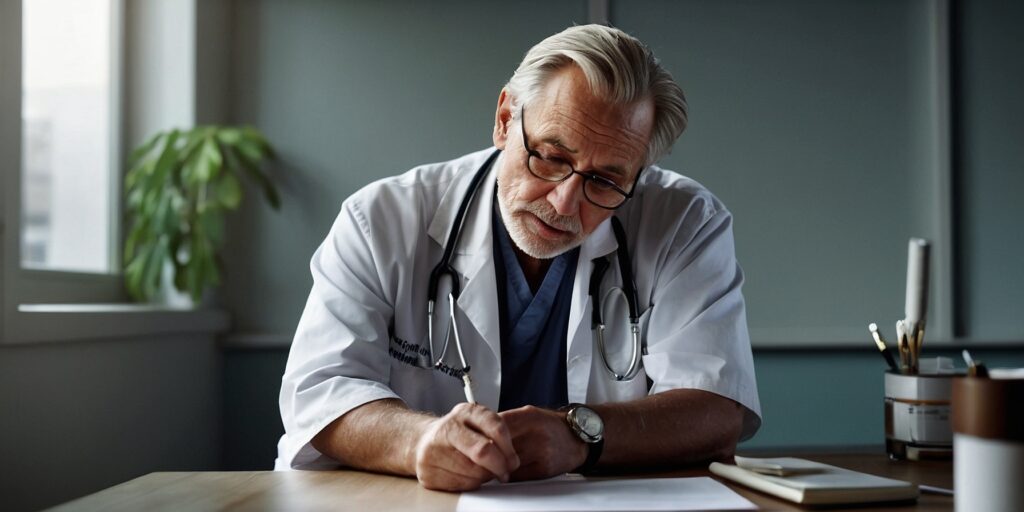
x=813 y=483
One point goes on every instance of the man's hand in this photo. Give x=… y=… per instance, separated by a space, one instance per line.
x=545 y=443
x=465 y=448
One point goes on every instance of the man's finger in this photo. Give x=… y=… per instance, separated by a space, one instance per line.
x=491 y=425
x=480 y=450
x=455 y=473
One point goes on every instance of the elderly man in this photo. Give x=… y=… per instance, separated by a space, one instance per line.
x=585 y=305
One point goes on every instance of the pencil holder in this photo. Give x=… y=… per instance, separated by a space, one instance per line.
x=988 y=426
x=917 y=416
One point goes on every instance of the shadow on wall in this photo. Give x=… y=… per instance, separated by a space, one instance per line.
x=252 y=421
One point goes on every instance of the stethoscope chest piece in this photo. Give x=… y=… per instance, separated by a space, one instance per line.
x=602 y=304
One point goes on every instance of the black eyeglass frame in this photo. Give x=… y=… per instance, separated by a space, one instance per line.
x=587 y=175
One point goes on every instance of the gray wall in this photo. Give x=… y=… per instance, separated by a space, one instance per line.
x=81 y=416
x=812 y=121
x=818 y=123
x=350 y=92
x=990 y=130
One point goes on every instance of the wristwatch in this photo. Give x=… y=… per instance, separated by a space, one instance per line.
x=587 y=424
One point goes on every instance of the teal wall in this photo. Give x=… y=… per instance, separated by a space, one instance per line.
x=815 y=121
x=832 y=398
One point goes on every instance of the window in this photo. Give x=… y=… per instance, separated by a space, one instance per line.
x=69 y=132
x=63 y=134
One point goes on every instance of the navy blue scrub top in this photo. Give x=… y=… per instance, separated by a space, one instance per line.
x=533 y=326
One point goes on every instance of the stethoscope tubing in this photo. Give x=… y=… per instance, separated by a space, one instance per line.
x=444 y=267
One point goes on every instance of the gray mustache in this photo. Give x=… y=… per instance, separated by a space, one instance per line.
x=547 y=214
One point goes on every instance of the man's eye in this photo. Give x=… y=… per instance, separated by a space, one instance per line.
x=602 y=182
x=555 y=159
x=610 y=181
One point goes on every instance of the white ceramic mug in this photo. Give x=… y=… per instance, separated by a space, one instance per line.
x=988 y=442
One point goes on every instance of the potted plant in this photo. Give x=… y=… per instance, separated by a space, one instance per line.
x=179 y=185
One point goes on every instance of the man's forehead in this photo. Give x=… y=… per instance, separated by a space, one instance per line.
x=622 y=136
x=567 y=103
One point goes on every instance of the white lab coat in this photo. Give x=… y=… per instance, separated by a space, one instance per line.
x=363 y=333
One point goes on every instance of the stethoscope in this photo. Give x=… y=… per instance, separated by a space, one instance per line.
x=601 y=264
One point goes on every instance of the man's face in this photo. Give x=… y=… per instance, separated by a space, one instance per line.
x=566 y=122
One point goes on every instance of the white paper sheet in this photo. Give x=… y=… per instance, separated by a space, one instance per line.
x=568 y=493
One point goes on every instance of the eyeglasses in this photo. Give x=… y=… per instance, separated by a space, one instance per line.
x=599 y=190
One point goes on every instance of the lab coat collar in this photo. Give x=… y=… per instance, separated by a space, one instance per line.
x=600 y=243
x=476 y=233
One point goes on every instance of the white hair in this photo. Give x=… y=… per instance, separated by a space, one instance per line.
x=619 y=68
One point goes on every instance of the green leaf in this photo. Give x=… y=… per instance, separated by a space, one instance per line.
x=168 y=158
x=250 y=151
x=188 y=157
x=229 y=192
x=212 y=153
x=143 y=150
x=212 y=223
x=137 y=177
x=256 y=136
x=161 y=212
x=229 y=136
x=154 y=268
x=130 y=242
x=133 y=200
x=269 y=191
x=209 y=162
x=133 y=276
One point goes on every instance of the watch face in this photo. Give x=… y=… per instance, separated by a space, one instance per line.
x=589 y=422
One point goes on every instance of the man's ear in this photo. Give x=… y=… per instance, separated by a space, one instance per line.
x=502 y=119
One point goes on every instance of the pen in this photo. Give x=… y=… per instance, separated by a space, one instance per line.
x=903 y=345
x=916 y=307
x=935 y=490
x=918 y=341
x=974 y=368
x=873 y=327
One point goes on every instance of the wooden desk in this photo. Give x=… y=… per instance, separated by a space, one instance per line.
x=355 y=490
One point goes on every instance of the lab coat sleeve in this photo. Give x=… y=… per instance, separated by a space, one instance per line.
x=338 y=359
x=697 y=332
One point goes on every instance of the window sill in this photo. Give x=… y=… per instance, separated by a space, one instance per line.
x=257 y=341
x=47 y=323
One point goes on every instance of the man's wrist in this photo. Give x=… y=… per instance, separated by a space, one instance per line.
x=423 y=424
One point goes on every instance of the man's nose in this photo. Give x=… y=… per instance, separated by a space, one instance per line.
x=566 y=195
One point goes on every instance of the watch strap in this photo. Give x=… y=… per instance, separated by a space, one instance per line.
x=593 y=455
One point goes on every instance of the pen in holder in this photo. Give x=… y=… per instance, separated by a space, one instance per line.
x=916 y=307
x=917 y=402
